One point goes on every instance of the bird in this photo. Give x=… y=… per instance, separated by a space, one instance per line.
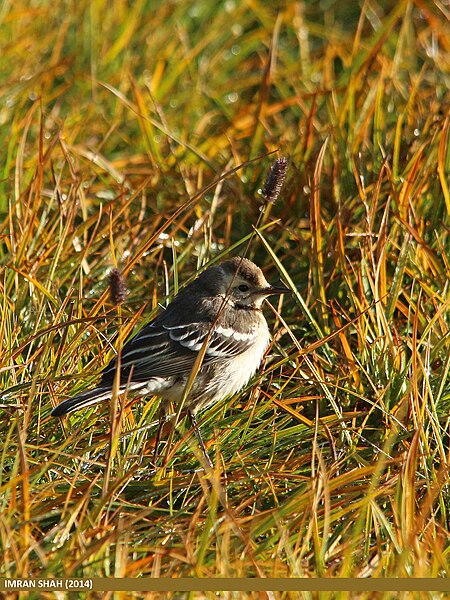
x=218 y=314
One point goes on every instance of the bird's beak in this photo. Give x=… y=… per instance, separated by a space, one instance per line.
x=272 y=290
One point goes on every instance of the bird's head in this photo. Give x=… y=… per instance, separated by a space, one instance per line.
x=241 y=282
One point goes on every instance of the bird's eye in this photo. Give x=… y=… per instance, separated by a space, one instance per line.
x=243 y=287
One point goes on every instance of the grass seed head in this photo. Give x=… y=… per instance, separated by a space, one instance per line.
x=275 y=180
x=117 y=287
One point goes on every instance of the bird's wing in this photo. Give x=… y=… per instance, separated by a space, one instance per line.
x=162 y=350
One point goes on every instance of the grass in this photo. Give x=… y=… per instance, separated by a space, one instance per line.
x=122 y=131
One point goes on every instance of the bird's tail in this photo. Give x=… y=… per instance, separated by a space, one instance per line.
x=82 y=400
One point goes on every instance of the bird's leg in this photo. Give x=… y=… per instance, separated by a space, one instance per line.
x=193 y=421
x=162 y=418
